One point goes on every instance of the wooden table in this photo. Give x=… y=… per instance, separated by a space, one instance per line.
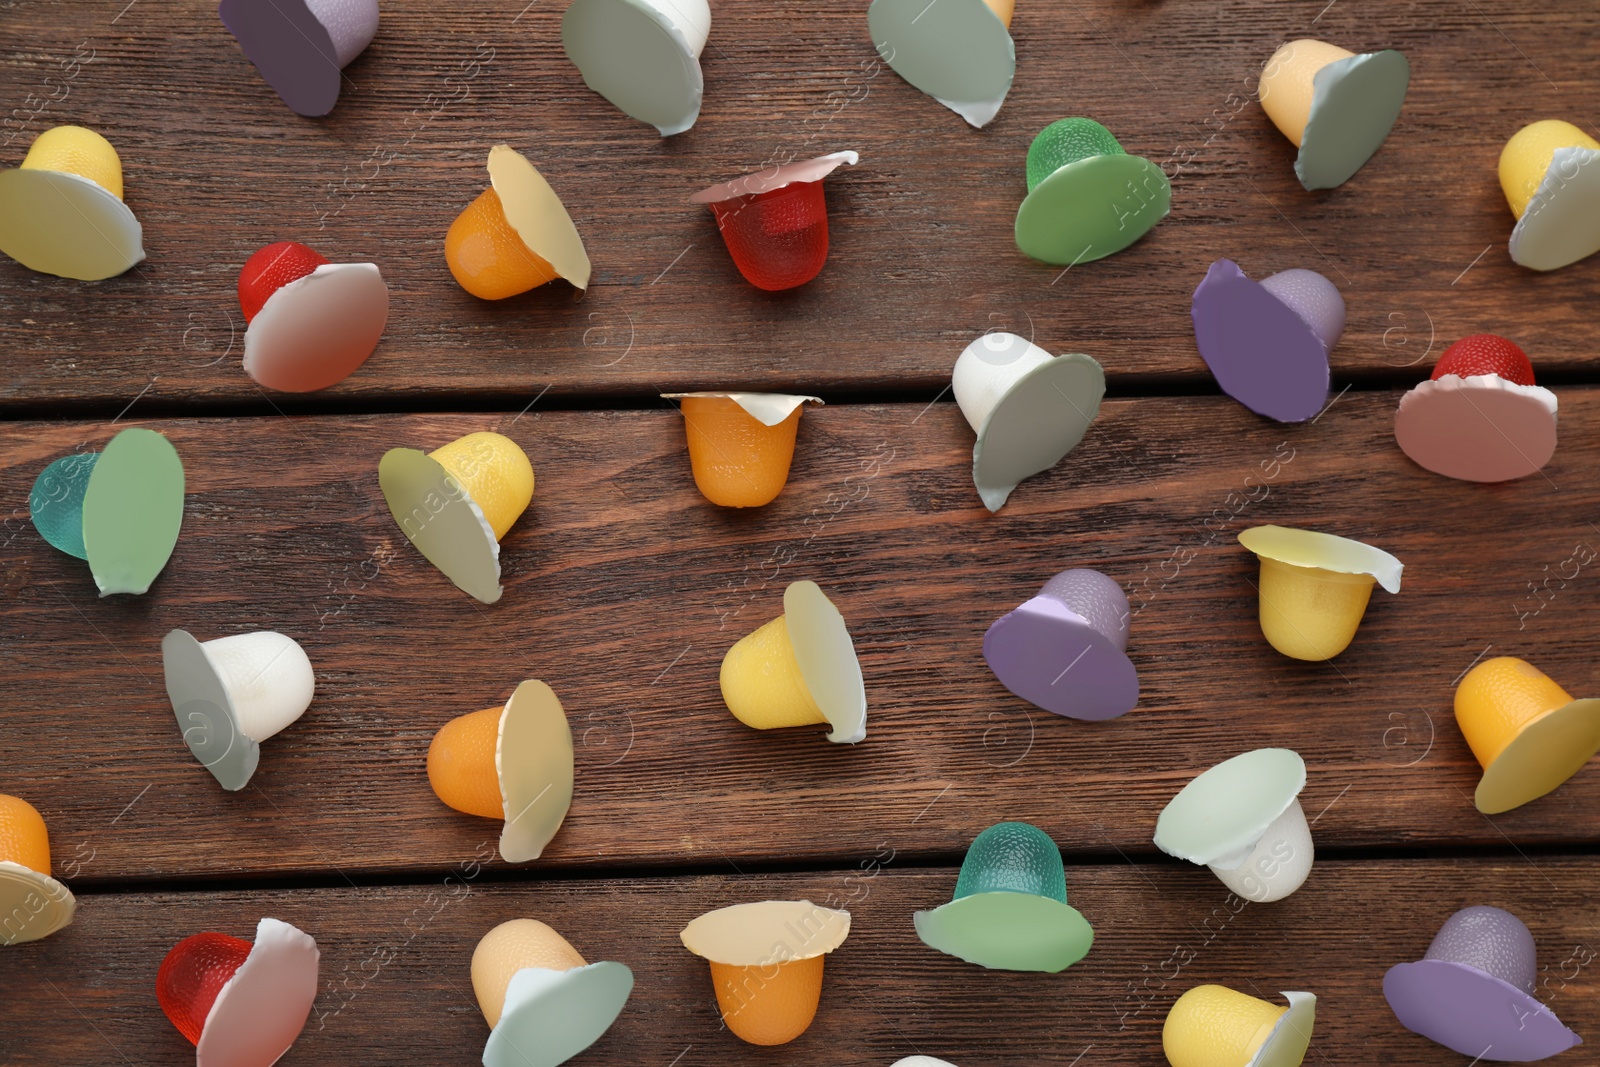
x=624 y=587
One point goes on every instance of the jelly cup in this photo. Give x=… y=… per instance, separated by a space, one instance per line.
x=1335 y=106
x=119 y=509
x=1267 y=342
x=1314 y=588
x=544 y=1004
x=1010 y=910
x=775 y=221
x=1242 y=818
x=1550 y=173
x=642 y=55
x=512 y=763
x=1063 y=650
x=766 y=964
x=922 y=1061
x=456 y=503
x=741 y=444
x=301 y=47
x=32 y=904
x=516 y=235
x=61 y=211
x=1214 y=1026
x=1028 y=408
x=799 y=669
x=233 y=693
x=1481 y=963
x=1528 y=734
x=1087 y=197
x=240 y=1004
x=312 y=323
x=1479 y=417
x=959 y=52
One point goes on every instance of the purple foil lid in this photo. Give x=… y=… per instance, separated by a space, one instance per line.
x=1267 y=342
x=301 y=46
x=1063 y=650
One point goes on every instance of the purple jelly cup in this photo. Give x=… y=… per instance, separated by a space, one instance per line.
x=1063 y=650
x=301 y=47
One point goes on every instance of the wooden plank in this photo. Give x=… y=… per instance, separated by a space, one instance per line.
x=923 y=258
x=395 y=986
x=625 y=588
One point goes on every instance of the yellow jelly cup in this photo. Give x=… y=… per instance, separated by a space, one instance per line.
x=61 y=211
x=1528 y=734
x=32 y=904
x=1335 y=106
x=512 y=763
x=799 y=669
x=456 y=503
x=1550 y=173
x=516 y=235
x=766 y=964
x=1214 y=1026
x=741 y=444
x=544 y=1004
x=1314 y=588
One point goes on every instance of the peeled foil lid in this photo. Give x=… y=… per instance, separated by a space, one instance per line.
x=1091 y=209
x=768 y=409
x=551 y=1016
x=1474 y=1013
x=765 y=181
x=1354 y=105
x=43 y=904
x=317 y=330
x=261 y=1010
x=1321 y=551
x=956 y=51
x=827 y=658
x=437 y=515
x=537 y=214
x=205 y=712
x=1290 y=1039
x=766 y=932
x=1008 y=931
x=1036 y=423
x=55 y=504
x=642 y=57
x=1562 y=222
x=132 y=511
x=533 y=759
x=63 y=224
x=1482 y=428
x=1220 y=815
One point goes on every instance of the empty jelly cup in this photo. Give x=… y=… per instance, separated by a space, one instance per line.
x=301 y=47
x=741 y=444
x=641 y=55
x=61 y=211
x=119 y=509
x=456 y=503
x=240 y=1004
x=1267 y=342
x=775 y=221
x=1528 y=734
x=312 y=323
x=766 y=964
x=1028 y=408
x=1063 y=650
x=32 y=904
x=1087 y=198
x=516 y=235
x=1242 y=818
x=233 y=693
x=1550 y=173
x=959 y=52
x=797 y=670
x=1481 y=963
x=1314 y=588
x=1336 y=106
x=1479 y=417
x=1010 y=910
x=512 y=763
x=543 y=1003
x=1214 y=1026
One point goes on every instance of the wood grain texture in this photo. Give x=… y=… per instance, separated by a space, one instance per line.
x=395 y=986
x=625 y=588
x=923 y=258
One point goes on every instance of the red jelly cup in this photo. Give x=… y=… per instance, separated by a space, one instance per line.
x=775 y=223
x=192 y=975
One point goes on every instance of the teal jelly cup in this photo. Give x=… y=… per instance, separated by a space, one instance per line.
x=1010 y=910
x=1087 y=197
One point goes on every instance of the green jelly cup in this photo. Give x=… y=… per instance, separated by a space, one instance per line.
x=1087 y=197
x=1010 y=910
